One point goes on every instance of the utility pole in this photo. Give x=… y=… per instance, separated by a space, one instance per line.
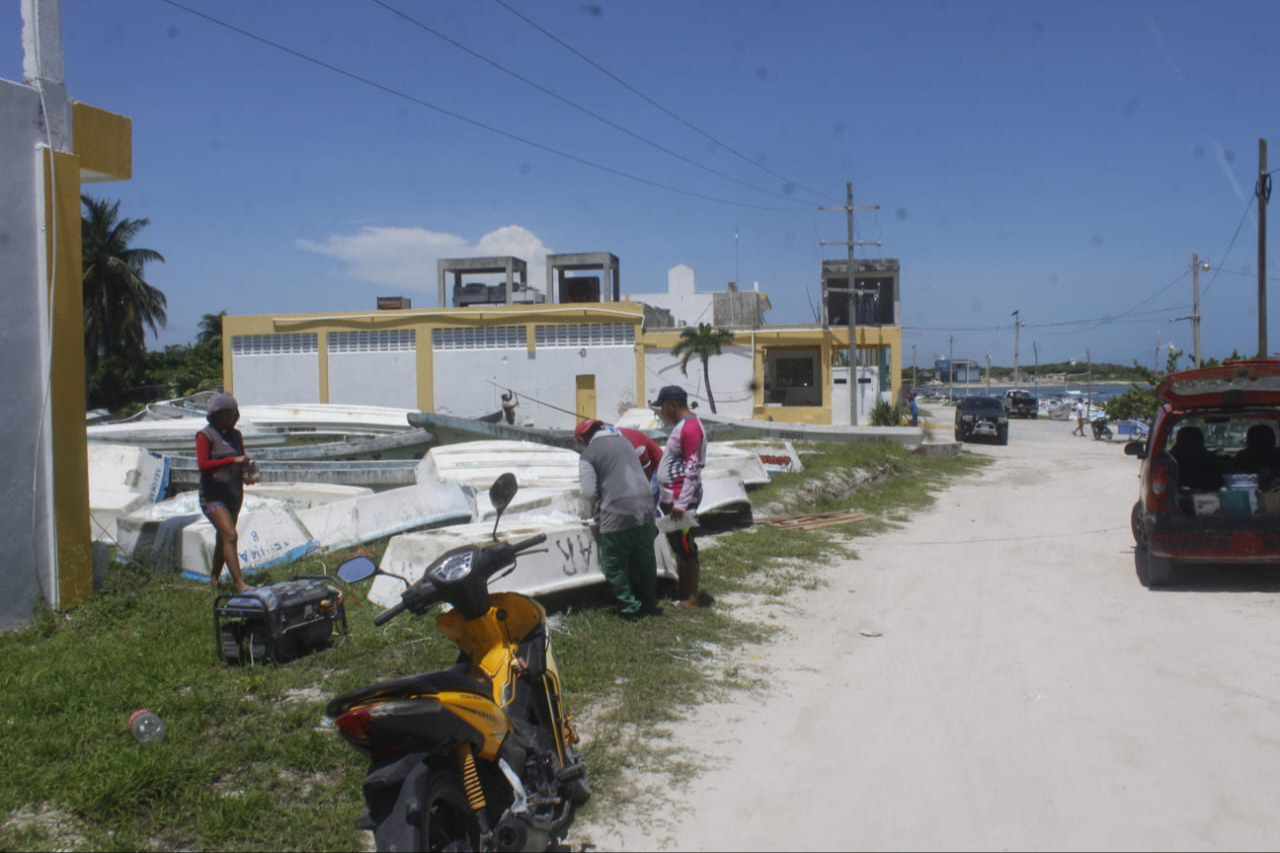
x=1017 y=324
x=1262 y=189
x=849 y=208
x=1036 y=350
x=988 y=374
x=951 y=367
x=1089 y=361
x=913 y=369
x=1155 y=360
x=1197 y=266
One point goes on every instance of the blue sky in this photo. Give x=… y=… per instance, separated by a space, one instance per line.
x=1063 y=159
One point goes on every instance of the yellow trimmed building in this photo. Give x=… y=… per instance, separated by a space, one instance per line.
x=563 y=361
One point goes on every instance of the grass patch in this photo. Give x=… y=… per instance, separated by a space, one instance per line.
x=247 y=763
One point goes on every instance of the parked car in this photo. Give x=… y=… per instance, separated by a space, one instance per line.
x=981 y=417
x=1210 y=479
x=1020 y=404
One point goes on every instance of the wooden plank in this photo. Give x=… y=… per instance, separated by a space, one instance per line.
x=813 y=521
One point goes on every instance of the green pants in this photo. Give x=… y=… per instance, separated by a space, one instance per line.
x=629 y=564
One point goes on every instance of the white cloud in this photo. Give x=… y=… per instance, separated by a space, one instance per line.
x=406 y=257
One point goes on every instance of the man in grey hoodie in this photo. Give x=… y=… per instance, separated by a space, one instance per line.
x=615 y=491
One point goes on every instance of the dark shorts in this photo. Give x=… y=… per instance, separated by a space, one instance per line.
x=232 y=505
x=681 y=541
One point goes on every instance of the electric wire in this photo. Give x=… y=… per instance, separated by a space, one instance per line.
x=657 y=105
x=1217 y=269
x=1008 y=328
x=413 y=99
x=1248 y=274
x=584 y=110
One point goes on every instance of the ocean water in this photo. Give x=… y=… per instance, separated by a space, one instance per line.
x=1100 y=392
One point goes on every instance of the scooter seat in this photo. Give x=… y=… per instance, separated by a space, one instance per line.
x=459 y=679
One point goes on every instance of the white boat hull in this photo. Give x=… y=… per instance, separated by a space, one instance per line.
x=122 y=478
x=570 y=559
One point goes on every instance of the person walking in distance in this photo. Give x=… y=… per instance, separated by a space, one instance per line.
x=1078 y=408
x=225 y=469
x=680 y=483
x=615 y=491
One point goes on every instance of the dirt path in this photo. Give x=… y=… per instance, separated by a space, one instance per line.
x=1025 y=692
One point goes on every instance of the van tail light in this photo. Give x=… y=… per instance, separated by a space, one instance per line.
x=1161 y=476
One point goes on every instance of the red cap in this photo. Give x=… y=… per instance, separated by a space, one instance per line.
x=585 y=428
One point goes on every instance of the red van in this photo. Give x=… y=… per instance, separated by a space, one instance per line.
x=1210 y=488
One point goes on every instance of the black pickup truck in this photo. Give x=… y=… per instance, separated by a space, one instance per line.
x=1020 y=404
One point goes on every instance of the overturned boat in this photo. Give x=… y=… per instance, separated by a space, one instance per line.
x=570 y=559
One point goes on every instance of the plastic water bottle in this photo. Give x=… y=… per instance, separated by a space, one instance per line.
x=146 y=726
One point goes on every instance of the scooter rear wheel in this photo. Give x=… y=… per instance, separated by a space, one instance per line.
x=448 y=824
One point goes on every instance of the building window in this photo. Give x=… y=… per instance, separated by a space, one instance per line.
x=402 y=340
x=577 y=335
x=483 y=337
x=794 y=372
x=291 y=344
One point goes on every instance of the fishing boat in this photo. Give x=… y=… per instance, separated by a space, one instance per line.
x=451 y=429
x=376 y=474
x=177 y=434
x=569 y=560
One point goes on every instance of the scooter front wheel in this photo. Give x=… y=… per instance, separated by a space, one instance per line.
x=448 y=824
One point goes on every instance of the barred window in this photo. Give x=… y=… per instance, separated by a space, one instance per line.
x=585 y=335
x=390 y=340
x=483 y=337
x=288 y=344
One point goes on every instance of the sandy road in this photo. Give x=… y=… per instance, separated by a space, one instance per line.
x=1025 y=692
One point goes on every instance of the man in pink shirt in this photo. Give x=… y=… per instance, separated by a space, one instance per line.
x=680 y=485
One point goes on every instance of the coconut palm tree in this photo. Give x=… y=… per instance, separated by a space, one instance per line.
x=704 y=342
x=210 y=333
x=119 y=305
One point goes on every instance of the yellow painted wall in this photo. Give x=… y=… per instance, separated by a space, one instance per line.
x=70 y=449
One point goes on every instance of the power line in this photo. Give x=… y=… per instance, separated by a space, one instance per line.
x=584 y=110
x=1008 y=329
x=655 y=104
x=1251 y=275
x=473 y=122
x=1230 y=246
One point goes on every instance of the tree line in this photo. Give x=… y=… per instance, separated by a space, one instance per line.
x=120 y=306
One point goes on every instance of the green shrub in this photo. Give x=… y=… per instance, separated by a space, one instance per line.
x=885 y=415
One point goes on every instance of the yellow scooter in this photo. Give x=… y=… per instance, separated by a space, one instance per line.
x=479 y=756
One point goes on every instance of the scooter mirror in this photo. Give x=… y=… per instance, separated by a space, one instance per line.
x=357 y=569
x=500 y=494
x=502 y=491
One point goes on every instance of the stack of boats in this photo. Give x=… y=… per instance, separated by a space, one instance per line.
x=433 y=503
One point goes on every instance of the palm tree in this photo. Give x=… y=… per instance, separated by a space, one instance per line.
x=118 y=303
x=210 y=334
x=703 y=342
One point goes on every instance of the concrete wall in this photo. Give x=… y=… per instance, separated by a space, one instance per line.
x=687 y=306
x=731 y=378
x=544 y=379
x=374 y=368
x=276 y=377
x=26 y=560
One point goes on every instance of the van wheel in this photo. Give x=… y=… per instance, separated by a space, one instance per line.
x=1153 y=572
x=1135 y=525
